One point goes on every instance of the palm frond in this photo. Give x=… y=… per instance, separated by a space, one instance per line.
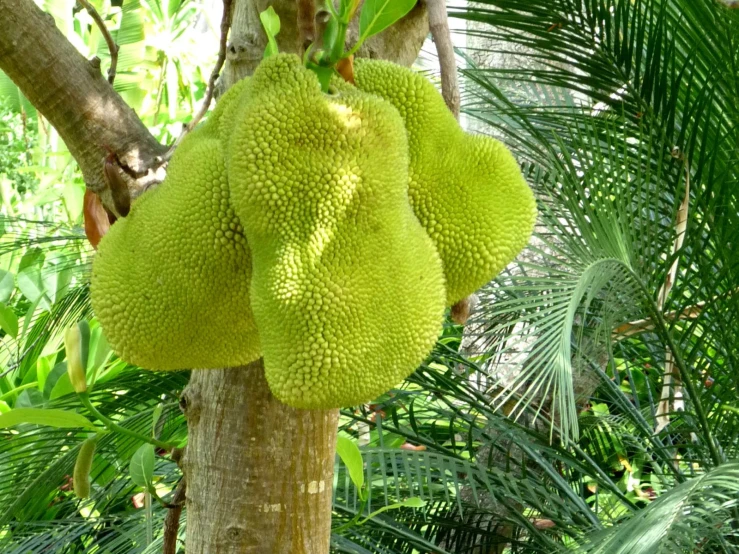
x=694 y=516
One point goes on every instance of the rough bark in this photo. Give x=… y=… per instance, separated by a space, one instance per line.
x=71 y=92
x=259 y=474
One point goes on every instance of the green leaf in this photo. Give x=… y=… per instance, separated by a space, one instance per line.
x=141 y=468
x=29 y=398
x=683 y=515
x=378 y=15
x=62 y=419
x=349 y=453
x=155 y=415
x=31 y=284
x=271 y=23
x=8 y=320
x=54 y=376
x=56 y=283
x=33 y=257
x=62 y=387
x=413 y=502
x=7 y=284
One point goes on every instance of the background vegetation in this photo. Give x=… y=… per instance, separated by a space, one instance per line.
x=544 y=424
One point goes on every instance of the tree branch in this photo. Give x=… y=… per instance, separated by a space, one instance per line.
x=112 y=46
x=172 y=520
x=91 y=118
x=439 y=27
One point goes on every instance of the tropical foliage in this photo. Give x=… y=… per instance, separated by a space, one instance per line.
x=589 y=404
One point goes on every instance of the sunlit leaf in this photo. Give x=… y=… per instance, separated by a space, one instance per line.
x=378 y=15
x=49 y=417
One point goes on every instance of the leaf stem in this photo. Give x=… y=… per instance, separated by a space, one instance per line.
x=114 y=427
x=18 y=389
x=353 y=521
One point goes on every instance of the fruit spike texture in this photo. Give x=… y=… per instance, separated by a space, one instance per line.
x=467 y=190
x=170 y=281
x=347 y=288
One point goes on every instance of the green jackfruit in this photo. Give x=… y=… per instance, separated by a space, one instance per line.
x=347 y=288
x=467 y=190
x=170 y=281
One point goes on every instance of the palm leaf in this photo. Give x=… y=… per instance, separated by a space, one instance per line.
x=697 y=513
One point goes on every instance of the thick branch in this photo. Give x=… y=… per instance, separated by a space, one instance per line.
x=72 y=94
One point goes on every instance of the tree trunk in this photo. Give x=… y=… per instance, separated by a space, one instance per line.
x=259 y=474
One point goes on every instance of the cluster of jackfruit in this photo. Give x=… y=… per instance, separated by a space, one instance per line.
x=326 y=232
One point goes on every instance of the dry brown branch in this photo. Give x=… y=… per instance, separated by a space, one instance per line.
x=671 y=399
x=112 y=46
x=225 y=26
x=644 y=325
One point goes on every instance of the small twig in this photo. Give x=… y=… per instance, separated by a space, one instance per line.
x=172 y=520
x=225 y=26
x=306 y=23
x=112 y=46
x=439 y=27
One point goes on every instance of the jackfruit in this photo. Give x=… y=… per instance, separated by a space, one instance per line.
x=347 y=288
x=467 y=190
x=170 y=281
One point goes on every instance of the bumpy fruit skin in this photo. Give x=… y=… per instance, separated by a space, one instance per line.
x=467 y=190
x=347 y=288
x=170 y=281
